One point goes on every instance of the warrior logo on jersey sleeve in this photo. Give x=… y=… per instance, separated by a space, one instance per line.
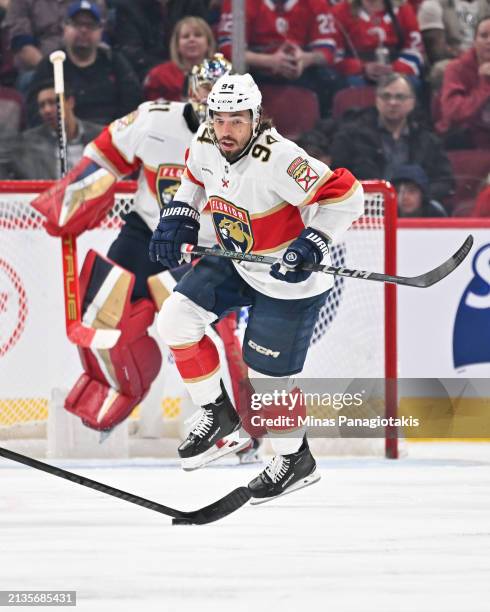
x=232 y=225
x=167 y=182
x=301 y=171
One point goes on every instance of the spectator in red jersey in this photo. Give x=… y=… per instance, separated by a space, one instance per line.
x=376 y=37
x=465 y=96
x=192 y=41
x=482 y=205
x=284 y=39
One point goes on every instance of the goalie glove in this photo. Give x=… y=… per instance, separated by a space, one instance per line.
x=179 y=224
x=310 y=247
x=79 y=201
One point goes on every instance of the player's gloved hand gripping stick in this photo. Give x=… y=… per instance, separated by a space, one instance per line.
x=423 y=280
x=310 y=247
x=76 y=331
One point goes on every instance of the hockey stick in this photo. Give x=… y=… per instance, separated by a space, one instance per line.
x=422 y=281
x=213 y=512
x=76 y=331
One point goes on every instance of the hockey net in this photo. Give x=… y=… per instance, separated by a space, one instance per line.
x=355 y=336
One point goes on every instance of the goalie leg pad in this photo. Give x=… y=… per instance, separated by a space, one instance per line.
x=115 y=380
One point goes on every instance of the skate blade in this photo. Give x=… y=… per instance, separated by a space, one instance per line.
x=301 y=484
x=232 y=444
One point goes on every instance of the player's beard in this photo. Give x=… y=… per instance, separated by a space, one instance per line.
x=231 y=156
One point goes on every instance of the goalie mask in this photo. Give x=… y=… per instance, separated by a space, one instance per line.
x=205 y=75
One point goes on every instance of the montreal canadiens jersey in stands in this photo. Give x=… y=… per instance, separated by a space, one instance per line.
x=263 y=201
x=152 y=139
x=359 y=34
x=308 y=23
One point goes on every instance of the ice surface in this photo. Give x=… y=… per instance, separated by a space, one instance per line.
x=373 y=535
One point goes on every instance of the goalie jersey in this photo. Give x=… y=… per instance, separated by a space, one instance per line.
x=153 y=140
x=263 y=201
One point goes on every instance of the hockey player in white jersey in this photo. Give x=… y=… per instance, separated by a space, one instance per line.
x=151 y=141
x=266 y=195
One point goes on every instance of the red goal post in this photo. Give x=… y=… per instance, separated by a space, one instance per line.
x=22 y=273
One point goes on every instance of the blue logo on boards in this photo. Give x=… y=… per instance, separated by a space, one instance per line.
x=471 y=336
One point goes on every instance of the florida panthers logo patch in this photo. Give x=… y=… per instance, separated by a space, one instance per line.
x=167 y=182
x=232 y=225
x=301 y=171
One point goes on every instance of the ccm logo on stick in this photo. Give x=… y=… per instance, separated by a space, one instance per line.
x=263 y=350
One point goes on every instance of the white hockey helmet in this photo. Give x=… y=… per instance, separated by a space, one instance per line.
x=236 y=92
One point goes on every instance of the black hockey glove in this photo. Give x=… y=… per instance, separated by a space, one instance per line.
x=179 y=224
x=309 y=247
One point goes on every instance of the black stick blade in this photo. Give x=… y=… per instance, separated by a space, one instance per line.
x=434 y=276
x=215 y=511
x=221 y=508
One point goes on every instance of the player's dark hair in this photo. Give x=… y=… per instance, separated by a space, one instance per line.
x=266 y=123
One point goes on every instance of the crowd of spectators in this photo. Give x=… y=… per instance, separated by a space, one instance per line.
x=416 y=74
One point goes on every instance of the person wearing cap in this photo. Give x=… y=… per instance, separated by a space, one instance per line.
x=412 y=187
x=104 y=84
x=36 y=29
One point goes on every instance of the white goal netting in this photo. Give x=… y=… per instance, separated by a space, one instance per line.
x=35 y=357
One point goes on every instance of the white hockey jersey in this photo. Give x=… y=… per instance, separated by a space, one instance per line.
x=153 y=140
x=263 y=201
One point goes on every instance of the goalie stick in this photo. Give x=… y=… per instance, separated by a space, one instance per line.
x=213 y=512
x=422 y=281
x=77 y=332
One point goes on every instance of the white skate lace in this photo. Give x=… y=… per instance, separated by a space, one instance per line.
x=204 y=425
x=277 y=468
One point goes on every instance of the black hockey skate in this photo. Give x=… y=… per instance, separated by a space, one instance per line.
x=284 y=474
x=217 y=433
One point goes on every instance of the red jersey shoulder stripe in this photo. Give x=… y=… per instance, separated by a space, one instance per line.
x=108 y=151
